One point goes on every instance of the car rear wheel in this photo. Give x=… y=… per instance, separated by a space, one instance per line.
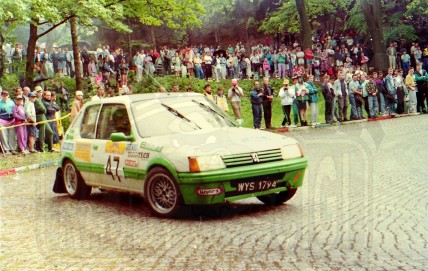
x=162 y=192
x=278 y=198
x=74 y=183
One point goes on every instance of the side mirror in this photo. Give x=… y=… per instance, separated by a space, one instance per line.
x=116 y=137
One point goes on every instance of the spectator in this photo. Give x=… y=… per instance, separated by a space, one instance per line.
x=302 y=99
x=390 y=96
x=7 y=136
x=267 y=102
x=123 y=69
x=45 y=131
x=341 y=93
x=411 y=85
x=221 y=100
x=234 y=95
x=287 y=96
x=421 y=79
x=405 y=59
x=353 y=91
x=51 y=109
x=20 y=120
x=77 y=105
x=399 y=90
x=371 y=90
x=99 y=95
x=63 y=96
x=313 y=99
x=381 y=91
x=328 y=97
x=256 y=97
x=176 y=62
x=30 y=112
x=207 y=92
x=266 y=68
x=364 y=81
x=199 y=73
x=174 y=88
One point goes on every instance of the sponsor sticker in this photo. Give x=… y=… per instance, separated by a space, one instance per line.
x=67 y=146
x=83 y=151
x=115 y=147
x=131 y=163
x=131 y=147
x=150 y=147
x=139 y=155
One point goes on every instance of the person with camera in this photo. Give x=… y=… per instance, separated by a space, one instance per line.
x=267 y=102
x=256 y=97
x=287 y=96
x=234 y=95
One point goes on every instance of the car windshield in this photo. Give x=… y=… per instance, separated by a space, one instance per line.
x=171 y=115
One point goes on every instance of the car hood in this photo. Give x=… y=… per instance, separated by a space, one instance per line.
x=223 y=141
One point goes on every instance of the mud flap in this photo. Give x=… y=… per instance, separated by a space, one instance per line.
x=59 y=182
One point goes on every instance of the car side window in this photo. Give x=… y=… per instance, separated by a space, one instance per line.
x=89 y=122
x=113 y=119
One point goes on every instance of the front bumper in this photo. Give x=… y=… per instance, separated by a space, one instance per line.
x=287 y=174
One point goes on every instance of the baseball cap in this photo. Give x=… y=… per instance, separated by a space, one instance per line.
x=4 y=92
x=32 y=94
x=38 y=88
x=19 y=97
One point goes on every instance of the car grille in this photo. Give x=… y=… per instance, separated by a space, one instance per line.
x=243 y=159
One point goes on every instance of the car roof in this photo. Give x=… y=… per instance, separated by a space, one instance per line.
x=143 y=97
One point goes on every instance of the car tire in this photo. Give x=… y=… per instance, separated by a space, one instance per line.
x=74 y=183
x=278 y=198
x=162 y=192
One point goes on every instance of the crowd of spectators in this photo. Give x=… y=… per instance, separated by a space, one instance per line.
x=340 y=63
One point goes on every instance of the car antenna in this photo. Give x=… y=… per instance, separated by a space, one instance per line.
x=154 y=79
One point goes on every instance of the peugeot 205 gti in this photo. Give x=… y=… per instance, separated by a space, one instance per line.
x=175 y=149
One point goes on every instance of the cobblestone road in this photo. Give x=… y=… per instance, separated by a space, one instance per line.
x=363 y=206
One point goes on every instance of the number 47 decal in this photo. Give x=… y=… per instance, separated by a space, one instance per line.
x=109 y=169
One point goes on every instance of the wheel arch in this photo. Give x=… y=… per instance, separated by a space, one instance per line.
x=161 y=162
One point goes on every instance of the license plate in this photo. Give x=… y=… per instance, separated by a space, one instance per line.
x=255 y=186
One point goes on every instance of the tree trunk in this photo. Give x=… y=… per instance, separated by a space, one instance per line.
x=153 y=36
x=216 y=34
x=373 y=15
x=129 y=44
x=306 y=31
x=29 y=66
x=2 y=67
x=247 y=36
x=76 y=55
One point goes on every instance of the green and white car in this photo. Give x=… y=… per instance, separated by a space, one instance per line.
x=175 y=149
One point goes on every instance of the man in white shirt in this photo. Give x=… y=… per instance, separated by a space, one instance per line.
x=234 y=95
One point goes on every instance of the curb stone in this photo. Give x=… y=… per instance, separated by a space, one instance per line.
x=29 y=167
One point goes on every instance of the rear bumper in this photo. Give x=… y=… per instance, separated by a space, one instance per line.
x=286 y=173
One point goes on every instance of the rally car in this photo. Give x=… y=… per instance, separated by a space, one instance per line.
x=175 y=149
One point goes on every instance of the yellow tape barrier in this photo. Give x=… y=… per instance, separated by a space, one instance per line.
x=32 y=123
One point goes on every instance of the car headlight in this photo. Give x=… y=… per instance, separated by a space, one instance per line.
x=205 y=163
x=291 y=151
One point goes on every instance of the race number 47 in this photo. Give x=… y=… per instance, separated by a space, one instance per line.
x=109 y=171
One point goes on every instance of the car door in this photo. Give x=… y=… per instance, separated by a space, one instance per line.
x=109 y=155
x=83 y=136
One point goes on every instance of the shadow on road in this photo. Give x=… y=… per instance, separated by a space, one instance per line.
x=134 y=205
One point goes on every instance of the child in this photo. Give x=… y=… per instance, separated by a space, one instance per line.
x=266 y=67
x=20 y=118
x=317 y=69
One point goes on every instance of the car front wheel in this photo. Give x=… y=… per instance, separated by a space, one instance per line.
x=162 y=192
x=74 y=183
x=278 y=198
